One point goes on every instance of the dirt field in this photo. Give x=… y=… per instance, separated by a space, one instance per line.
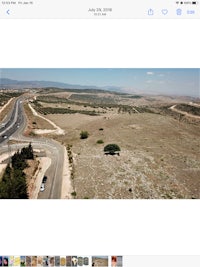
x=159 y=156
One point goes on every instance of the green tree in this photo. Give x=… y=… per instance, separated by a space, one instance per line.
x=111 y=149
x=13 y=184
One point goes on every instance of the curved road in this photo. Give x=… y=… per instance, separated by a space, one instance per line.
x=184 y=112
x=14 y=128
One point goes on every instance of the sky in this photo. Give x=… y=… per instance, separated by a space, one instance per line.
x=156 y=81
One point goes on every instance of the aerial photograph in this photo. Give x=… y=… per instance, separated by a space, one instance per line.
x=99 y=133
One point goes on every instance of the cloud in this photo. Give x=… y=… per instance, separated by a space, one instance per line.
x=161 y=75
x=150 y=73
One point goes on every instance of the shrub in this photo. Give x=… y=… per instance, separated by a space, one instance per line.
x=84 y=134
x=73 y=194
x=100 y=129
x=100 y=141
x=111 y=149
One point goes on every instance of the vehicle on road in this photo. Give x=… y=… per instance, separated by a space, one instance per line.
x=4 y=136
x=42 y=187
x=44 y=180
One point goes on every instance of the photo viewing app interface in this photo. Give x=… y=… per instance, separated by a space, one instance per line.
x=99 y=124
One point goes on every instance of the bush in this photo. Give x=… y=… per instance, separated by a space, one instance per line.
x=100 y=129
x=73 y=194
x=100 y=141
x=111 y=149
x=84 y=134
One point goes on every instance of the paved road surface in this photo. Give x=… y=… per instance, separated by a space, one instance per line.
x=13 y=129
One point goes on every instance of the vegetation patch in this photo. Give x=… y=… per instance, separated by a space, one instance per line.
x=13 y=184
x=112 y=149
x=84 y=135
x=190 y=109
x=49 y=110
x=100 y=141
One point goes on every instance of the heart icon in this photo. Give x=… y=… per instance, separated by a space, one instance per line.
x=164 y=11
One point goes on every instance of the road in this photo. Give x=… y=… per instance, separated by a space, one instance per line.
x=14 y=128
x=184 y=112
x=13 y=121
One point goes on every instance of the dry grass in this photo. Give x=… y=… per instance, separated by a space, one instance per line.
x=159 y=156
x=35 y=122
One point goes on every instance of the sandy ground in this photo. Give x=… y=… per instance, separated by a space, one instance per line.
x=66 y=183
x=44 y=131
x=57 y=130
x=5 y=156
x=2 y=168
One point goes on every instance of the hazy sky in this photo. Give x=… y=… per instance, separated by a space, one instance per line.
x=160 y=81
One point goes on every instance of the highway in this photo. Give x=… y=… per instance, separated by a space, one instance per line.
x=13 y=128
x=14 y=119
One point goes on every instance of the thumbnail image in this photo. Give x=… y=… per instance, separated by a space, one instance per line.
x=121 y=133
x=68 y=261
x=74 y=261
x=11 y=260
x=34 y=261
x=45 y=260
x=57 y=260
x=5 y=261
x=22 y=261
x=62 y=261
x=86 y=261
x=100 y=261
x=39 y=261
x=16 y=261
x=28 y=261
x=51 y=261
x=116 y=261
x=1 y=260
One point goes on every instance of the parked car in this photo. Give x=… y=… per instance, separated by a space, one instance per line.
x=44 y=179
x=42 y=187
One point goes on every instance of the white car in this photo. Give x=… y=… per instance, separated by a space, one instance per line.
x=42 y=187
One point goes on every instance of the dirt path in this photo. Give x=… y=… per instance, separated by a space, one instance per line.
x=183 y=112
x=57 y=130
x=66 y=182
x=1 y=109
x=194 y=104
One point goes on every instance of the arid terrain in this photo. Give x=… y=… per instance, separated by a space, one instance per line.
x=159 y=155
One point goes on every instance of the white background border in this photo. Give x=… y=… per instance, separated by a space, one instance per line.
x=150 y=227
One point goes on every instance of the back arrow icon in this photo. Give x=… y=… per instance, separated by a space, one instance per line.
x=8 y=11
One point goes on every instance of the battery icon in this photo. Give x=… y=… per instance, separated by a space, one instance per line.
x=194 y=3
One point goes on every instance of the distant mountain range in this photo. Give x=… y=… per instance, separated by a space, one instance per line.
x=15 y=84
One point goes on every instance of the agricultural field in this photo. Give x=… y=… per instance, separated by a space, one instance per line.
x=159 y=148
